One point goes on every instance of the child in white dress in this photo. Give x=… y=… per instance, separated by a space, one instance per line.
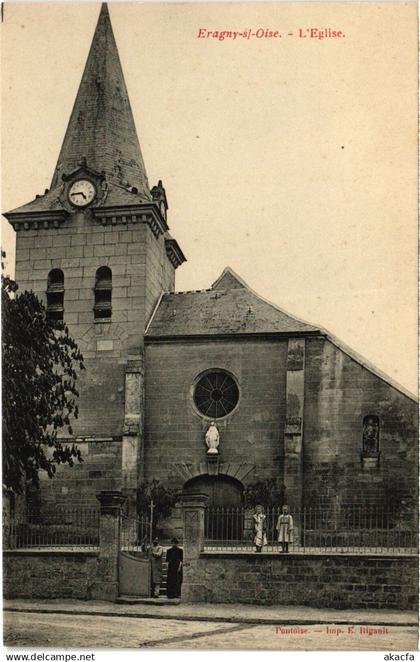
x=285 y=530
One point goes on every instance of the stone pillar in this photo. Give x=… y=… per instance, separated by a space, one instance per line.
x=193 y=507
x=105 y=584
x=132 y=442
x=293 y=431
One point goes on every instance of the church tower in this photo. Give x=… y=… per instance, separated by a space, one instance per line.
x=96 y=248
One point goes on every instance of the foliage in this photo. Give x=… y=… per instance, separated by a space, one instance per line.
x=164 y=499
x=268 y=493
x=39 y=389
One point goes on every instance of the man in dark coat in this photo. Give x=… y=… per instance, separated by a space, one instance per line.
x=174 y=558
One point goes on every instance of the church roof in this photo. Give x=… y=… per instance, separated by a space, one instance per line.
x=229 y=307
x=101 y=127
x=49 y=201
x=117 y=196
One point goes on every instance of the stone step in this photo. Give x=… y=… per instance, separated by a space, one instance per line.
x=161 y=600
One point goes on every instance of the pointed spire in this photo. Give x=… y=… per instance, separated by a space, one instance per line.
x=101 y=127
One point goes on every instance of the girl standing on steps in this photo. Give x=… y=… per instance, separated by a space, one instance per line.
x=260 y=526
x=157 y=554
x=285 y=530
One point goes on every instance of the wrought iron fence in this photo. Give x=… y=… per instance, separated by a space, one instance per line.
x=135 y=533
x=351 y=528
x=61 y=527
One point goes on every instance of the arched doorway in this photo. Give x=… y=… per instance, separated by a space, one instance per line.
x=224 y=515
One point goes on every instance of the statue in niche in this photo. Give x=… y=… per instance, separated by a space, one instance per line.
x=371 y=435
x=212 y=439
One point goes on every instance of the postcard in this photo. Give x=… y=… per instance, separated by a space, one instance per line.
x=210 y=419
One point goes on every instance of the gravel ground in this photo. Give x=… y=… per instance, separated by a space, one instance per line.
x=95 y=632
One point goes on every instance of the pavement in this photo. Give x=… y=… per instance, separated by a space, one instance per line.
x=226 y=613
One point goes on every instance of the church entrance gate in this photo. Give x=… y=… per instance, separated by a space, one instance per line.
x=224 y=518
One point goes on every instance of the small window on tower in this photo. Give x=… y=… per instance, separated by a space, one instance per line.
x=103 y=294
x=55 y=295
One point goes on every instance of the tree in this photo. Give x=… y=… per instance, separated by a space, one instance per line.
x=39 y=389
x=266 y=492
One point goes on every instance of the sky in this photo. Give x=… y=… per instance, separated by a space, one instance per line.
x=291 y=159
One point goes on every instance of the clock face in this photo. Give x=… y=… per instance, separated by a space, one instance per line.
x=81 y=193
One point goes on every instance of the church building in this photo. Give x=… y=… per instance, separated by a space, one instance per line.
x=210 y=390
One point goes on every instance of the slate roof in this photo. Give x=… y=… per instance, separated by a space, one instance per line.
x=50 y=201
x=101 y=131
x=228 y=307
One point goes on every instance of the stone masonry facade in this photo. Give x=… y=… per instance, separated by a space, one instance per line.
x=339 y=393
x=174 y=429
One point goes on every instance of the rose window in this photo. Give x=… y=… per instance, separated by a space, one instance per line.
x=216 y=394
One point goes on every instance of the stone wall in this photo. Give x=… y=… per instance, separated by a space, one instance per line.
x=49 y=574
x=324 y=580
x=71 y=486
x=140 y=270
x=339 y=393
x=78 y=573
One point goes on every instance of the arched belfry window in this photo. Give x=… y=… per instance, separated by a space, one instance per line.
x=103 y=294
x=55 y=295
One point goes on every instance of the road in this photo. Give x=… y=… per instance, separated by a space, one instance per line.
x=93 y=632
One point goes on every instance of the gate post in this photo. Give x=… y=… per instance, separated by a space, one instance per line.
x=105 y=584
x=293 y=430
x=132 y=441
x=193 y=507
